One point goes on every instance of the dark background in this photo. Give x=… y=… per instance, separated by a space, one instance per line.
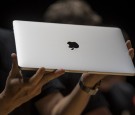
x=117 y=13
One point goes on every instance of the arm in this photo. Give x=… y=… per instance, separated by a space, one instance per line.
x=17 y=88
x=3 y=107
x=74 y=103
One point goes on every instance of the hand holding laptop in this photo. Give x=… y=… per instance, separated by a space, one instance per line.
x=90 y=80
x=19 y=90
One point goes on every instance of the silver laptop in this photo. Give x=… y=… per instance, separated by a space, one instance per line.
x=75 y=48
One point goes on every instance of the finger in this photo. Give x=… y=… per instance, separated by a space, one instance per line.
x=14 y=70
x=37 y=77
x=131 y=52
x=128 y=44
x=52 y=75
x=92 y=77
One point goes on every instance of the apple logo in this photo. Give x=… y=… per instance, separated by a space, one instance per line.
x=73 y=45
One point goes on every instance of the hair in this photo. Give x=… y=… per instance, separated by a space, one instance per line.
x=72 y=12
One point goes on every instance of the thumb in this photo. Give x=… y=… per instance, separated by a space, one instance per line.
x=131 y=53
x=14 y=70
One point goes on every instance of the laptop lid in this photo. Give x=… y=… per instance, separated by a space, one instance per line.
x=75 y=48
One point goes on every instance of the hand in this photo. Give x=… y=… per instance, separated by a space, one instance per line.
x=19 y=90
x=91 y=79
x=130 y=49
x=111 y=80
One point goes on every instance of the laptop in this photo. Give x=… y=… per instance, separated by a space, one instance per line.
x=75 y=48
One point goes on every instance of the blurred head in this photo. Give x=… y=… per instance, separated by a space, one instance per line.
x=72 y=12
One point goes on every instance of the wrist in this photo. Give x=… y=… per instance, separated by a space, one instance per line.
x=92 y=90
x=4 y=107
